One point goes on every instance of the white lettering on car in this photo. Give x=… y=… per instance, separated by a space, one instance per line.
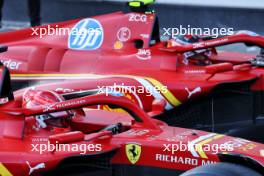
x=137 y=18
x=11 y=64
x=143 y=54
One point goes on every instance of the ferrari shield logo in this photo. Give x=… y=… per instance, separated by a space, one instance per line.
x=133 y=152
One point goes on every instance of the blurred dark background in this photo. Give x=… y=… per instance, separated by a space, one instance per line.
x=172 y=13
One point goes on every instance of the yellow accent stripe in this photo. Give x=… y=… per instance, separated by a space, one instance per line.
x=167 y=94
x=200 y=144
x=4 y=171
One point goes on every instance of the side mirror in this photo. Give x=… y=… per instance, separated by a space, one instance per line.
x=158 y=107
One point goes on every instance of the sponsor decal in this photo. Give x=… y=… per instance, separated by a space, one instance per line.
x=181 y=160
x=238 y=143
x=137 y=18
x=205 y=162
x=194 y=71
x=146 y=36
x=209 y=43
x=68 y=104
x=64 y=90
x=249 y=146
x=133 y=152
x=152 y=138
x=216 y=42
x=134 y=132
x=144 y=54
x=37 y=167
x=11 y=64
x=176 y=159
x=181 y=136
x=118 y=45
x=48 y=108
x=62 y=105
x=88 y=34
x=176 y=138
x=194 y=91
x=123 y=34
x=198 y=45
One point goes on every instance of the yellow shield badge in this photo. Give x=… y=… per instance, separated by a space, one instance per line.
x=133 y=152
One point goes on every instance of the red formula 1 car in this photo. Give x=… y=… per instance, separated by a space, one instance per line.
x=203 y=88
x=44 y=134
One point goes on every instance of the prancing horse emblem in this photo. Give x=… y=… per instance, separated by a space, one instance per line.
x=133 y=152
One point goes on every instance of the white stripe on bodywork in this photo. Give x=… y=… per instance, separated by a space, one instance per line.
x=191 y=144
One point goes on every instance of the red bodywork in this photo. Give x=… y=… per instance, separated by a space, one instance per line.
x=130 y=54
x=19 y=132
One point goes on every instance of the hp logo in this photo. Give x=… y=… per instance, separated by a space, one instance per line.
x=88 y=34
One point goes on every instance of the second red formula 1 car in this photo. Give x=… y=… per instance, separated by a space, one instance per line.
x=43 y=134
x=122 y=52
